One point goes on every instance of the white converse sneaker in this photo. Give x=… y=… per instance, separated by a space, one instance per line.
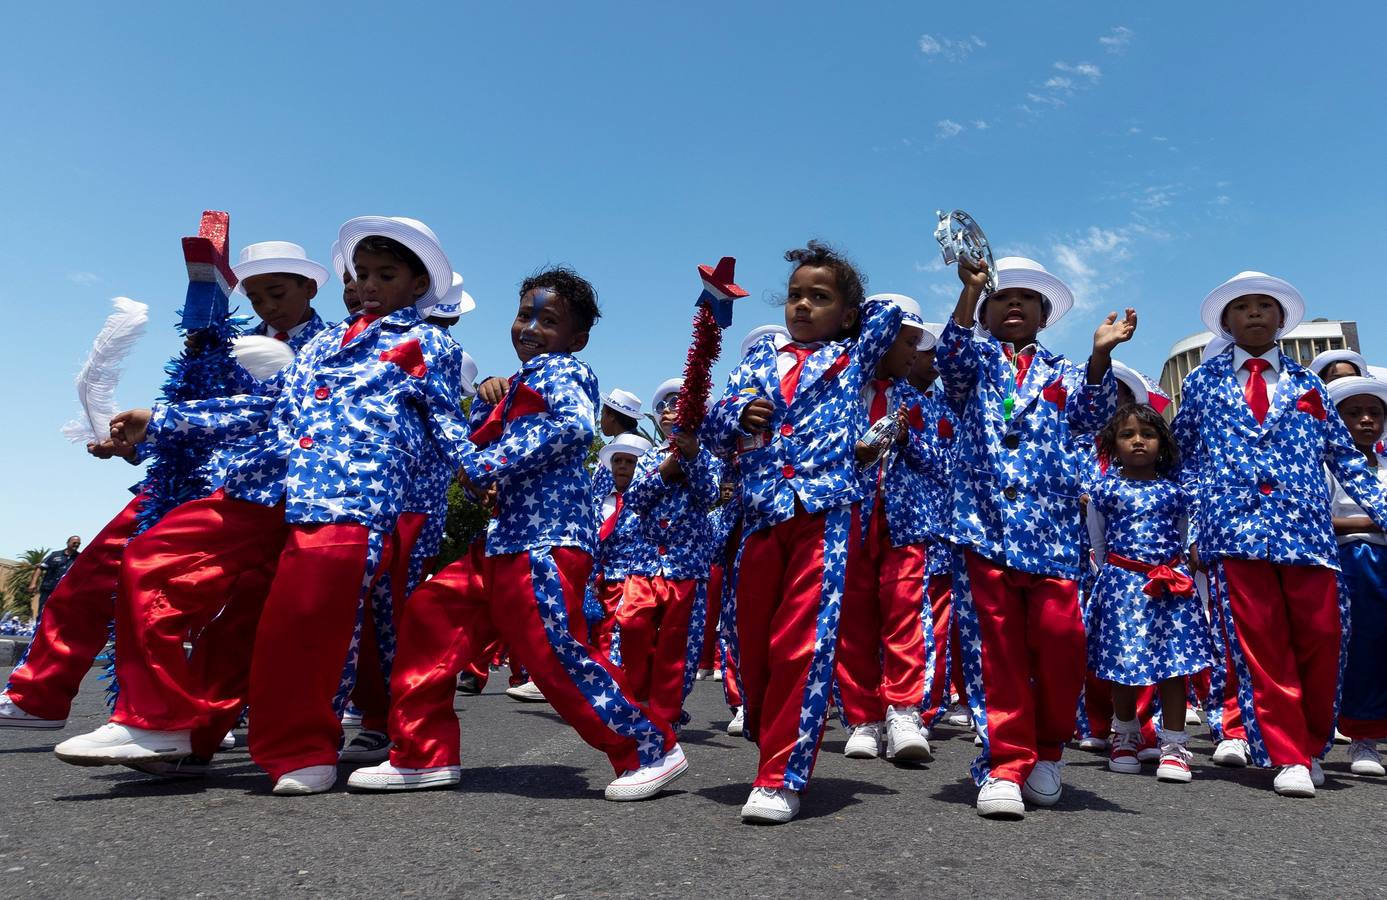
x=1044 y=786
x=1294 y=781
x=771 y=806
x=647 y=781
x=229 y=741
x=528 y=692
x=1231 y=753
x=367 y=747
x=1175 y=758
x=1364 y=758
x=738 y=723
x=1000 y=799
x=308 y=780
x=905 y=741
x=188 y=767
x=385 y=777
x=113 y=744
x=11 y=716
x=1316 y=773
x=864 y=742
x=1093 y=744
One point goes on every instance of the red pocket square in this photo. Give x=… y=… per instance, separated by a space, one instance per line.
x=946 y=428
x=917 y=418
x=525 y=401
x=1311 y=403
x=837 y=368
x=407 y=356
x=1056 y=394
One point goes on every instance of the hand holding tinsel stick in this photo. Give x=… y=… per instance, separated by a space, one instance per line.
x=714 y=313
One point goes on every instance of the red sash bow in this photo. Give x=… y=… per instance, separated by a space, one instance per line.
x=1161 y=578
x=522 y=400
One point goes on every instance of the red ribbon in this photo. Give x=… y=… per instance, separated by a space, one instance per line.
x=1161 y=578
x=523 y=401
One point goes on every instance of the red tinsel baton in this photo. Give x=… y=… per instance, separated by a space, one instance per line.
x=713 y=314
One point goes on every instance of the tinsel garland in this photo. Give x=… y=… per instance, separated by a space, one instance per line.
x=704 y=349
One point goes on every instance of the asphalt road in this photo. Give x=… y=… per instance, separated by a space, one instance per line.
x=529 y=820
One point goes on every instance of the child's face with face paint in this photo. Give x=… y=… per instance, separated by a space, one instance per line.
x=543 y=324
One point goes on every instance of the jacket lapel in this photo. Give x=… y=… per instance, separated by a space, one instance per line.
x=1286 y=395
x=1040 y=373
x=1229 y=395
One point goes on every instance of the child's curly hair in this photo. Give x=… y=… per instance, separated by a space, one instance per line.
x=574 y=289
x=1167 y=460
x=851 y=284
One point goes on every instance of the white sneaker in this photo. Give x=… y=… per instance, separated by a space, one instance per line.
x=11 y=716
x=308 y=780
x=704 y=674
x=864 y=742
x=1294 y=781
x=367 y=747
x=1093 y=744
x=1316 y=773
x=1364 y=758
x=647 y=781
x=905 y=740
x=977 y=740
x=112 y=745
x=1192 y=716
x=771 y=806
x=1231 y=753
x=385 y=777
x=229 y=741
x=1044 y=786
x=717 y=674
x=352 y=716
x=960 y=717
x=188 y=767
x=528 y=692
x=1341 y=738
x=738 y=723
x=1000 y=799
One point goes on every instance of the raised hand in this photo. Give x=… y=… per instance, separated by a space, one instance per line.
x=1113 y=332
x=130 y=427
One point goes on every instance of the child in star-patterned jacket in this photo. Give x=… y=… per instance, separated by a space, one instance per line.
x=886 y=656
x=665 y=601
x=790 y=408
x=315 y=504
x=1016 y=521
x=1148 y=626
x=532 y=433
x=618 y=535
x=1251 y=426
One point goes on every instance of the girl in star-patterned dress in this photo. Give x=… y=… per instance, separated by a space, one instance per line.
x=1148 y=627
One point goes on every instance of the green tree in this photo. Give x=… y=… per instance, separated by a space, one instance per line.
x=18 y=598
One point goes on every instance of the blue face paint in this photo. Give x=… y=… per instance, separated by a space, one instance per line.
x=541 y=298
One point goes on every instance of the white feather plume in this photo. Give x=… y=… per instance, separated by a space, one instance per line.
x=97 y=380
x=263 y=357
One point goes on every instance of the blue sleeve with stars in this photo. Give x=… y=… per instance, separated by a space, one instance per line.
x=1090 y=405
x=959 y=364
x=723 y=424
x=1185 y=430
x=442 y=391
x=881 y=320
x=216 y=419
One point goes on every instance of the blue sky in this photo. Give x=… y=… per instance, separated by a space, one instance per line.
x=1144 y=155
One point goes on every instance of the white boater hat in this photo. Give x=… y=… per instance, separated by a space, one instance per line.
x=1132 y=378
x=414 y=234
x=1244 y=283
x=268 y=257
x=761 y=331
x=1343 y=354
x=629 y=443
x=469 y=375
x=1020 y=272
x=624 y=402
x=1217 y=344
x=910 y=310
x=932 y=333
x=671 y=386
x=455 y=304
x=339 y=265
x=1353 y=385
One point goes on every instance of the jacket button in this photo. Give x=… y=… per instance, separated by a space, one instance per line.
x=1012 y=441
x=788 y=472
x=664 y=523
x=321 y=393
x=662 y=549
x=1009 y=493
x=787 y=429
x=1266 y=488
x=306 y=442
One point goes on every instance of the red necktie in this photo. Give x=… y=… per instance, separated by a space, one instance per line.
x=282 y=336
x=610 y=524
x=1256 y=388
x=878 y=408
x=356 y=328
x=1023 y=362
x=790 y=380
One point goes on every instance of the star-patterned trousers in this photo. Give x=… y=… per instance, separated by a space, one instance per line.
x=192 y=563
x=1022 y=637
x=535 y=601
x=1285 y=638
x=1363 y=714
x=661 y=626
x=886 y=644
x=74 y=625
x=940 y=589
x=789 y=587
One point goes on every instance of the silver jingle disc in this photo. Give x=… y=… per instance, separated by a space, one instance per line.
x=960 y=237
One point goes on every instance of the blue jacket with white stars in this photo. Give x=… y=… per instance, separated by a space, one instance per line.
x=1017 y=479
x=346 y=423
x=807 y=452
x=676 y=534
x=940 y=426
x=544 y=490
x=902 y=486
x=1259 y=491
x=616 y=553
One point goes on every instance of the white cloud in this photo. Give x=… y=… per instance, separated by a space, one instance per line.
x=949 y=48
x=948 y=128
x=1091 y=262
x=83 y=278
x=1222 y=200
x=981 y=124
x=1059 y=83
x=1085 y=70
x=1116 y=41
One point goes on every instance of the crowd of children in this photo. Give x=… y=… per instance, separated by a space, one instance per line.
x=879 y=515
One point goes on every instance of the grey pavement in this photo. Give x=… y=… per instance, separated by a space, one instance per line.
x=529 y=821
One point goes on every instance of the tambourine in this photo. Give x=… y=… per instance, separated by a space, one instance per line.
x=880 y=438
x=960 y=237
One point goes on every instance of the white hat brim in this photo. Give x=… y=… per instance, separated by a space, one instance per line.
x=1129 y=376
x=423 y=246
x=1354 y=385
x=604 y=456
x=274 y=265
x=1343 y=354
x=1292 y=303
x=1055 y=292
x=671 y=386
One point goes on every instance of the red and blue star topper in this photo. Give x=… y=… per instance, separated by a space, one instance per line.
x=719 y=290
x=210 y=279
x=714 y=313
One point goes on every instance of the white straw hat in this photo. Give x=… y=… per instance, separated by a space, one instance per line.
x=1353 y=385
x=339 y=266
x=1020 y=272
x=759 y=332
x=932 y=333
x=671 y=386
x=1244 y=283
x=1132 y=378
x=414 y=234
x=910 y=310
x=629 y=443
x=1343 y=354
x=469 y=374
x=624 y=402
x=455 y=304
x=268 y=257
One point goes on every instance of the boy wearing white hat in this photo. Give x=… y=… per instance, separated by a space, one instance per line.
x=618 y=535
x=1017 y=522
x=664 y=605
x=1250 y=419
x=316 y=503
x=885 y=648
x=1340 y=363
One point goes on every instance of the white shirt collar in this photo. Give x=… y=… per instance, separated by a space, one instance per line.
x=784 y=340
x=292 y=332
x=1272 y=356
